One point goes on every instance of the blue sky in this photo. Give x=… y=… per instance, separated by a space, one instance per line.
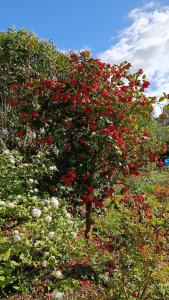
x=70 y=24
x=114 y=30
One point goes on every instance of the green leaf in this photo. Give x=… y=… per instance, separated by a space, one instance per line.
x=2 y=278
x=166 y=107
x=163 y=116
x=6 y=255
x=161 y=99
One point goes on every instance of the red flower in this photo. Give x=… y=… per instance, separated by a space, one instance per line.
x=124 y=190
x=35 y=114
x=87 y=198
x=121 y=116
x=94 y=127
x=145 y=84
x=22 y=114
x=160 y=163
x=99 y=204
x=14 y=87
x=96 y=101
x=95 y=86
x=69 y=125
x=132 y=165
x=140 y=71
x=107 y=244
x=85 y=282
x=115 y=133
x=73 y=82
x=19 y=133
x=28 y=84
x=73 y=56
x=49 y=139
x=105 y=94
x=13 y=103
x=125 y=200
x=69 y=178
x=136 y=294
x=107 y=131
x=53 y=189
x=50 y=82
x=145 y=134
x=40 y=141
x=80 y=68
x=55 y=97
x=123 y=88
x=73 y=262
x=86 y=176
x=82 y=140
x=62 y=81
x=90 y=189
x=143 y=103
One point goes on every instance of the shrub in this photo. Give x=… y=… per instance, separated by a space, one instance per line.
x=92 y=117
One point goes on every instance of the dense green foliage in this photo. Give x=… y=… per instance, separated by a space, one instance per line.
x=42 y=243
x=83 y=214
x=23 y=56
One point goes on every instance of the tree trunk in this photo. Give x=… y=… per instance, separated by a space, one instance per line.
x=89 y=221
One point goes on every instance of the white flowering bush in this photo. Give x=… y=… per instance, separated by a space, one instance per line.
x=37 y=232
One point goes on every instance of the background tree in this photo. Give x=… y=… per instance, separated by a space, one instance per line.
x=23 y=57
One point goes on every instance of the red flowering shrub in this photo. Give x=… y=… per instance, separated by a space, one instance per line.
x=92 y=114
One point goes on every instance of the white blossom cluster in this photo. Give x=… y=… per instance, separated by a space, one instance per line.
x=57 y=295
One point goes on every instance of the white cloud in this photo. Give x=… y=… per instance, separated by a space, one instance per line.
x=145 y=44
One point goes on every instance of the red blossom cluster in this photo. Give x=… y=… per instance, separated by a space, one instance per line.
x=91 y=114
x=137 y=203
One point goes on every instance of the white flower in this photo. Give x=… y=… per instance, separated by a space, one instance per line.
x=19 y=197
x=45 y=209
x=51 y=235
x=25 y=260
x=68 y=215
x=36 y=190
x=44 y=263
x=48 y=219
x=57 y=295
x=10 y=204
x=36 y=212
x=2 y=202
x=31 y=180
x=55 y=202
x=58 y=274
x=74 y=234
x=70 y=222
x=6 y=152
x=12 y=161
x=16 y=237
x=37 y=244
x=35 y=181
x=47 y=202
x=34 y=197
x=53 y=168
x=42 y=130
